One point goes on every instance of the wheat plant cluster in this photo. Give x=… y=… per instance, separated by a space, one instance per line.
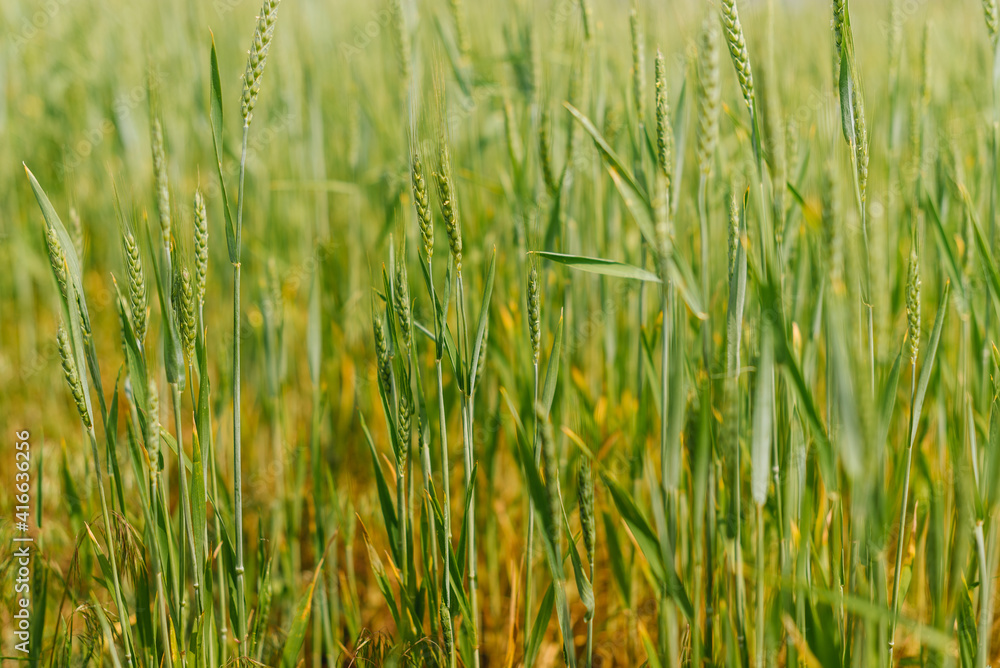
x=560 y=333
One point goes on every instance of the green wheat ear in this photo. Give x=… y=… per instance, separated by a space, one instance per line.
x=422 y=204
x=152 y=434
x=585 y=498
x=381 y=351
x=404 y=413
x=263 y=34
x=992 y=20
x=664 y=129
x=709 y=94
x=738 y=50
x=184 y=309
x=638 y=63
x=200 y=249
x=72 y=376
x=449 y=207
x=57 y=258
x=160 y=178
x=534 y=314
x=136 y=284
x=913 y=305
x=401 y=298
x=839 y=17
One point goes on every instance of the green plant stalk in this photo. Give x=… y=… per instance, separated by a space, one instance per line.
x=158 y=575
x=154 y=550
x=319 y=502
x=866 y=285
x=590 y=627
x=425 y=467
x=968 y=425
x=706 y=357
x=985 y=596
x=187 y=528
x=740 y=602
x=119 y=598
x=223 y=606
x=902 y=515
x=665 y=456
x=739 y=605
x=760 y=586
x=328 y=590
x=701 y=600
x=639 y=375
x=446 y=483
x=469 y=462
x=278 y=519
x=401 y=506
x=529 y=587
x=439 y=337
x=204 y=474
x=706 y=324
x=710 y=533
x=241 y=615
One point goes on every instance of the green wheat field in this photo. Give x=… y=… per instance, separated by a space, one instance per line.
x=447 y=333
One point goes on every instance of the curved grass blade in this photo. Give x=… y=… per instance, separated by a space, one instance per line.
x=540 y=625
x=927 y=368
x=598 y=265
x=649 y=544
x=297 y=634
x=215 y=113
x=484 y=315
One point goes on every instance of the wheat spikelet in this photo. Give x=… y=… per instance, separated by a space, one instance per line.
x=153 y=427
x=664 y=130
x=184 y=310
x=136 y=284
x=72 y=376
x=861 y=142
x=449 y=207
x=401 y=298
x=57 y=258
x=709 y=94
x=738 y=50
x=913 y=305
x=992 y=21
x=160 y=179
x=447 y=631
x=534 y=314
x=461 y=31
x=638 y=63
x=402 y=38
x=585 y=499
x=422 y=204
x=382 y=354
x=200 y=249
x=839 y=17
x=257 y=57
x=404 y=413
